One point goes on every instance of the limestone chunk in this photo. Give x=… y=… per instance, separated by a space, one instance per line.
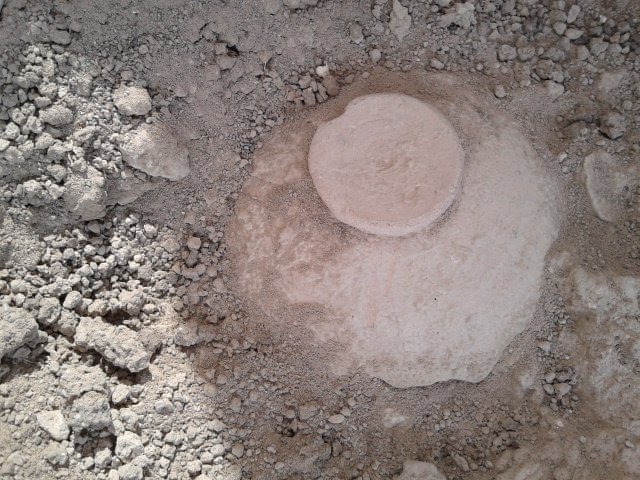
x=414 y=470
x=400 y=20
x=609 y=184
x=17 y=328
x=154 y=150
x=90 y=412
x=119 y=345
x=84 y=194
x=132 y=100
x=613 y=125
x=54 y=424
x=57 y=115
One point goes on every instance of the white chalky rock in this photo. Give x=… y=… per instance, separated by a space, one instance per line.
x=602 y=303
x=84 y=194
x=119 y=345
x=555 y=90
x=414 y=470
x=432 y=260
x=272 y=6
x=613 y=125
x=609 y=184
x=372 y=178
x=154 y=150
x=132 y=101
x=461 y=14
x=400 y=22
x=90 y=412
x=57 y=115
x=54 y=424
x=609 y=81
x=129 y=446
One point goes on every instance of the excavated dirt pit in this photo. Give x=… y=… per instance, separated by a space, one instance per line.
x=420 y=245
x=313 y=239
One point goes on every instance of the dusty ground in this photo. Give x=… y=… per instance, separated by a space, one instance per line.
x=127 y=352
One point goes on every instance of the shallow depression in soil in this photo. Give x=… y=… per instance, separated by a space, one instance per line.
x=416 y=295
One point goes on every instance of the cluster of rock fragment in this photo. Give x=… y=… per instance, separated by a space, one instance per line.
x=67 y=313
x=75 y=157
x=74 y=303
x=75 y=148
x=61 y=294
x=579 y=35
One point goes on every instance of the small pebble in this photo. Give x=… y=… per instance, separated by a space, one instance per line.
x=500 y=92
x=335 y=419
x=194 y=243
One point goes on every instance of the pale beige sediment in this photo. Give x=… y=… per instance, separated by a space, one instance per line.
x=390 y=165
x=441 y=303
